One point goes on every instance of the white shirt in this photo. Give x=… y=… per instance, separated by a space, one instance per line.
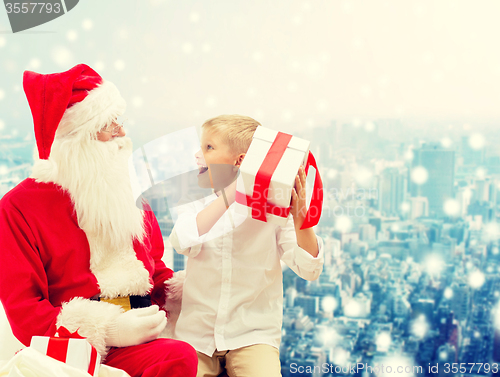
x=233 y=292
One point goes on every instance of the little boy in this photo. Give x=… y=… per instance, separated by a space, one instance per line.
x=232 y=303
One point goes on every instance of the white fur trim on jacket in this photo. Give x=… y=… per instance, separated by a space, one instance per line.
x=100 y=107
x=173 y=301
x=118 y=271
x=91 y=318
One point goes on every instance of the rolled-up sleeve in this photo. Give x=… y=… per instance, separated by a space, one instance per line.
x=184 y=237
x=295 y=257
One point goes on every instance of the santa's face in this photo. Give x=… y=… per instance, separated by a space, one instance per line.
x=114 y=129
x=96 y=175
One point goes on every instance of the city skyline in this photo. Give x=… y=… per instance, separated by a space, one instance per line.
x=394 y=268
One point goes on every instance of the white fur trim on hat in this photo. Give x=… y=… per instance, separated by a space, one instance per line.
x=99 y=108
x=91 y=318
x=44 y=170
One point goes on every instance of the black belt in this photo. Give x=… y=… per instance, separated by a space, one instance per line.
x=127 y=302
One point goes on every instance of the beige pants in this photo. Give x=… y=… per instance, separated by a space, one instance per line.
x=259 y=360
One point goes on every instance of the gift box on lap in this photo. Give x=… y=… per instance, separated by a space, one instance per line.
x=267 y=176
x=70 y=349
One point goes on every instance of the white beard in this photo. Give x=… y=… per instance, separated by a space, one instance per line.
x=96 y=176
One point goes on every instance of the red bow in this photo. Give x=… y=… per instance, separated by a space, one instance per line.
x=63 y=332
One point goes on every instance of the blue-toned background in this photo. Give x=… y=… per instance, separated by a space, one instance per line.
x=400 y=100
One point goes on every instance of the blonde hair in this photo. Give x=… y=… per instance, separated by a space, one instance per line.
x=235 y=130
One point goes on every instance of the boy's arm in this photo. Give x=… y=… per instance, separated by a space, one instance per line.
x=207 y=218
x=306 y=238
x=186 y=237
x=297 y=258
x=301 y=250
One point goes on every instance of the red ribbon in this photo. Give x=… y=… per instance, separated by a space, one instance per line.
x=63 y=332
x=264 y=175
x=58 y=347
x=258 y=201
x=312 y=219
x=93 y=361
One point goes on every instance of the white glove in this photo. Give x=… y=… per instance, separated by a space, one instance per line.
x=136 y=326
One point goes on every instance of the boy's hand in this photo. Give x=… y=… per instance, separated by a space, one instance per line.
x=299 y=208
x=306 y=238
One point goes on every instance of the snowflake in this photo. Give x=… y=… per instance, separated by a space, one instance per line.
x=62 y=56
x=206 y=47
x=434 y=264
x=451 y=207
x=71 y=35
x=211 y=101
x=383 y=342
x=99 y=66
x=405 y=207
x=477 y=141
x=369 y=127
x=448 y=293
x=476 y=279
x=419 y=175
x=35 y=63
x=420 y=327
x=119 y=65
x=329 y=304
x=137 y=101
x=481 y=172
x=446 y=142
x=343 y=224
x=187 y=48
x=87 y=24
x=194 y=17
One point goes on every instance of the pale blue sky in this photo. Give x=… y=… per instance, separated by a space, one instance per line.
x=290 y=64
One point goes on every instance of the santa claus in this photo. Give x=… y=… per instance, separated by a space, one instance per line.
x=75 y=249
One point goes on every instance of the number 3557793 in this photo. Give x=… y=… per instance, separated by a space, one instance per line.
x=33 y=8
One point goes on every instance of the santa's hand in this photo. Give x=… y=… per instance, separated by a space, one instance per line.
x=137 y=326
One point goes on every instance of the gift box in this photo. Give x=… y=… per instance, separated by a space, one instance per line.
x=267 y=177
x=69 y=348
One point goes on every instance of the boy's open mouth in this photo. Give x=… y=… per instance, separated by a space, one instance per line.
x=202 y=169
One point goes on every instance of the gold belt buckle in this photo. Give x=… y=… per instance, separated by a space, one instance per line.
x=124 y=302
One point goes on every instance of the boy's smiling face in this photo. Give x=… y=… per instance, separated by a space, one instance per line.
x=214 y=158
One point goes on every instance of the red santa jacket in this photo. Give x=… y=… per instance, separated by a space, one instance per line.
x=45 y=262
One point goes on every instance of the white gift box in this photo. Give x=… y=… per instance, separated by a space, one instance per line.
x=283 y=177
x=77 y=353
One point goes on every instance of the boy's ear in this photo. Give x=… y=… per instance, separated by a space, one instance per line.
x=239 y=159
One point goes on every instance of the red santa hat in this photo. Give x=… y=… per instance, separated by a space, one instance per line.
x=77 y=102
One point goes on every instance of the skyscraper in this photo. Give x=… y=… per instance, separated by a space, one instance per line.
x=392 y=187
x=419 y=206
x=437 y=187
x=473 y=157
